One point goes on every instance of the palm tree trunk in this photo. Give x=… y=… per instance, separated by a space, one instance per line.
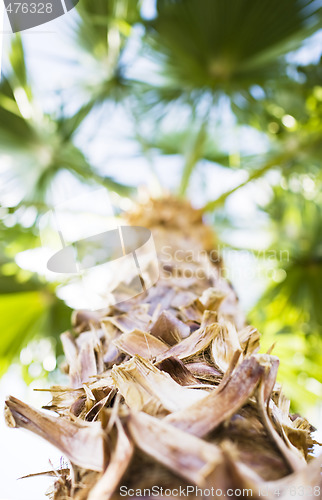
x=168 y=390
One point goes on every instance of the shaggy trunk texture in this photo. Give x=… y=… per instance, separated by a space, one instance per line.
x=168 y=389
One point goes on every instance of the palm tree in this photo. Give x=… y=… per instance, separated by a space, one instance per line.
x=168 y=390
x=205 y=58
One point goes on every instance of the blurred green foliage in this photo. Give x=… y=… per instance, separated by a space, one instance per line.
x=290 y=312
x=203 y=53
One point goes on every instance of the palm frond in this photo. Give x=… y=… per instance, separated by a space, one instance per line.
x=227 y=46
x=35 y=312
x=38 y=145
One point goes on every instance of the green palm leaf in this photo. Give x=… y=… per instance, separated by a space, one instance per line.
x=26 y=315
x=38 y=146
x=225 y=45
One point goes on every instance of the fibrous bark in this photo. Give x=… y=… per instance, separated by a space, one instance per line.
x=169 y=390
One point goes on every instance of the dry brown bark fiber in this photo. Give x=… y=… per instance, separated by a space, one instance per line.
x=169 y=390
